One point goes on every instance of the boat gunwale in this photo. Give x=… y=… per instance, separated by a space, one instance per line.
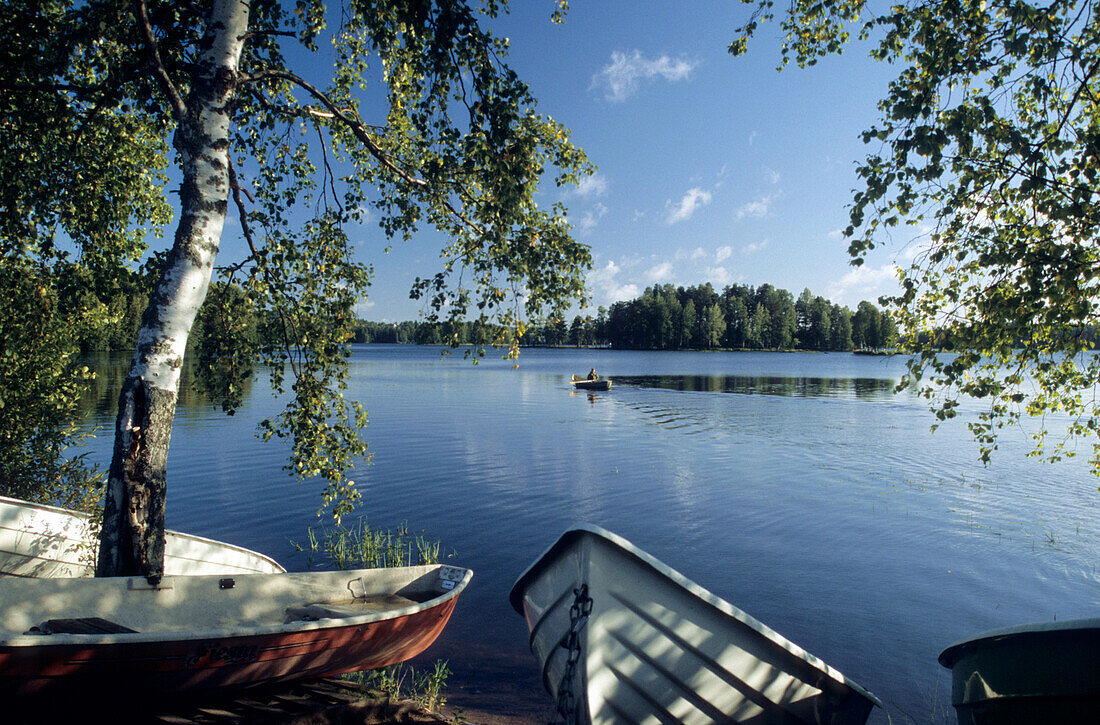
x=954 y=652
x=580 y=530
x=85 y=517
x=22 y=640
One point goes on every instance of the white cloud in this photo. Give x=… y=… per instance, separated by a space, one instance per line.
x=863 y=283
x=692 y=200
x=919 y=245
x=836 y=234
x=659 y=272
x=620 y=78
x=622 y=293
x=608 y=271
x=591 y=217
x=756 y=208
x=629 y=262
x=637 y=215
x=723 y=253
x=692 y=254
x=753 y=247
x=594 y=185
x=771 y=175
x=363 y=214
x=606 y=286
x=719 y=276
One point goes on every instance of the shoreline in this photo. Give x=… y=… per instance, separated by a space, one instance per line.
x=326 y=701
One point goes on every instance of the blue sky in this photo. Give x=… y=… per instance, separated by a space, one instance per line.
x=711 y=168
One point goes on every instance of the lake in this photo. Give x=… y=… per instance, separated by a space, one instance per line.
x=797 y=486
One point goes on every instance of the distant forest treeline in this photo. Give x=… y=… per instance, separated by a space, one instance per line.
x=678 y=318
x=661 y=318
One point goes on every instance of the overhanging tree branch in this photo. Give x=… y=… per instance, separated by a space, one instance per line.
x=179 y=108
x=242 y=212
x=355 y=126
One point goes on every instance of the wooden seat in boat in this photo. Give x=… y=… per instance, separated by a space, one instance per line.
x=83 y=625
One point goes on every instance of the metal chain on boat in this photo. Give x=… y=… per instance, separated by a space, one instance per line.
x=571 y=641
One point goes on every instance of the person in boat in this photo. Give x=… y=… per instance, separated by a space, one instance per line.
x=592 y=374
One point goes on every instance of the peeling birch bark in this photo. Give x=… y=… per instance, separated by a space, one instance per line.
x=132 y=539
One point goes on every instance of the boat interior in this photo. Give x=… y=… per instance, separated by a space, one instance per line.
x=126 y=606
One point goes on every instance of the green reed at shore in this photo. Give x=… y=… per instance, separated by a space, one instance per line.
x=358 y=546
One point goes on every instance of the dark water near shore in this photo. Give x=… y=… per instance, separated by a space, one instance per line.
x=797 y=486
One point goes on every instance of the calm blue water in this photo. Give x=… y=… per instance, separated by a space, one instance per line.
x=797 y=486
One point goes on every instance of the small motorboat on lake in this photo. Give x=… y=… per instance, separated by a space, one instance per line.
x=43 y=541
x=121 y=637
x=1034 y=673
x=623 y=638
x=585 y=384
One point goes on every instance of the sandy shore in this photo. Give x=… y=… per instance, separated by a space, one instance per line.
x=318 y=702
x=536 y=714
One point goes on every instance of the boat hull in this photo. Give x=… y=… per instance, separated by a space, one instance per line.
x=169 y=668
x=1029 y=674
x=43 y=541
x=262 y=629
x=656 y=647
x=586 y=384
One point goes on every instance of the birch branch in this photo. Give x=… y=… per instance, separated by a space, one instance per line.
x=179 y=108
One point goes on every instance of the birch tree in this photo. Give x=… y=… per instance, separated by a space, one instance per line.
x=415 y=121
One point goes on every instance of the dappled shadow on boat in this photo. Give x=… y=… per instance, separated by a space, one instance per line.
x=864 y=388
x=732 y=677
x=657 y=647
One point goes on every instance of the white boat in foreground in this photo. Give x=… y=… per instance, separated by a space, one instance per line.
x=1034 y=673
x=65 y=641
x=49 y=542
x=623 y=638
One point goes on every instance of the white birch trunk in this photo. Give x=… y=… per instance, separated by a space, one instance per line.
x=132 y=539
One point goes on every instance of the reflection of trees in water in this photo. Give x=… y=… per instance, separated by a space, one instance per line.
x=863 y=388
x=101 y=397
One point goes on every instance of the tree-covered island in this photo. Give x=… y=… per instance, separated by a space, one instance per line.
x=665 y=317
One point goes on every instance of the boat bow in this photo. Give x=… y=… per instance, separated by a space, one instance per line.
x=656 y=645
